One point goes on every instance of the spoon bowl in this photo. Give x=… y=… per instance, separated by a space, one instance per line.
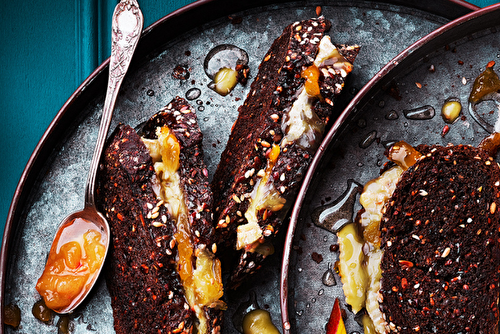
x=87 y=232
x=74 y=228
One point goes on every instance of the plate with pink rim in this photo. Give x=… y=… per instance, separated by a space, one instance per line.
x=402 y=101
x=53 y=181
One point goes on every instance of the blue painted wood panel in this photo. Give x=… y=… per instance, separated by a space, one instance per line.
x=48 y=48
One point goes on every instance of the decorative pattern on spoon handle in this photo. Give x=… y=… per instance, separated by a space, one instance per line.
x=126 y=29
x=124 y=37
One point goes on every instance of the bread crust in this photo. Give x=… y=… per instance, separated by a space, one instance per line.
x=147 y=294
x=260 y=125
x=441 y=242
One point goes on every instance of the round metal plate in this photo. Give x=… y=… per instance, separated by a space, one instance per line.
x=441 y=65
x=53 y=182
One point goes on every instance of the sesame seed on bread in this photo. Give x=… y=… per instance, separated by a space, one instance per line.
x=441 y=241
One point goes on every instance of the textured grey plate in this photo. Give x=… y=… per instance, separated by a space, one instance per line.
x=53 y=182
x=458 y=52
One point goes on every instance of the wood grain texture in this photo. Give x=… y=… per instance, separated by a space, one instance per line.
x=48 y=49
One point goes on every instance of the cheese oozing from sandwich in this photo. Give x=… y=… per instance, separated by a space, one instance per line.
x=300 y=125
x=198 y=268
x=361 y=275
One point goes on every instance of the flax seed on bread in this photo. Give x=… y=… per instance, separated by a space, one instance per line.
x=259 y=147
x=441 y=241
x=147 y=292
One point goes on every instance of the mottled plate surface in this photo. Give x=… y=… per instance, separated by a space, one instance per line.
x=53 y=183
x=442 y=65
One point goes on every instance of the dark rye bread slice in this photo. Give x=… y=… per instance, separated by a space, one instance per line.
x=146 y=292
x=260 y=124
x=181 y=118
x=441 y=242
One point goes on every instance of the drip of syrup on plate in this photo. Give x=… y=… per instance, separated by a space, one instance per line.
x=193 y=94
x=226 y=65
x=451 y=110
x=42 y=312
x=368 y=140
x=64 y=325
x=328 y=278
x=486 y=88
x=420 y=113
x=392 y=115
x=485 y=84
x=335 y=215
x=12 y=315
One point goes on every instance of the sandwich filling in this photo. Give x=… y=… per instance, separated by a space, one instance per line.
x=360 y=253
x=301 y=125
x=199 y=270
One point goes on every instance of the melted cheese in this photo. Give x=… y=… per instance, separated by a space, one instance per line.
x=373 y=198
x=300 y=125
x=352 y=271
x=263 y=197
x=367 y=271
x=199 y=270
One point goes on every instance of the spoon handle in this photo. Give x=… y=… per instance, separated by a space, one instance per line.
x=126 y=29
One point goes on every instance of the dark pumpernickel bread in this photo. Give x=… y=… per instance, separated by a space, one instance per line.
x=260 y=124
x=147 y=295
x=182 y=120
x=441 y=242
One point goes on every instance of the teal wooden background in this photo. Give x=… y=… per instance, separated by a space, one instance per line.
x=48 y=49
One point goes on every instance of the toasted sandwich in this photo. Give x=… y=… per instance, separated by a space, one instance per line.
x=162 y=273
x=279 y=127
x=429 y=235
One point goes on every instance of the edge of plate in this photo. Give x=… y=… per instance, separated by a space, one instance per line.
x=98 y=76
x=331 y=135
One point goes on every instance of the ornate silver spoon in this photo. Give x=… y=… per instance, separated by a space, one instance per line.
x=127 y=26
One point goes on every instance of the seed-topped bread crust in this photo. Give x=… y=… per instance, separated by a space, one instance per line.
x=260 y=125
x=441 y=241
x=147 y=295
x=181 y=118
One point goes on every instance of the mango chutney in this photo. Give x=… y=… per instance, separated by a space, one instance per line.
x=75 y=257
